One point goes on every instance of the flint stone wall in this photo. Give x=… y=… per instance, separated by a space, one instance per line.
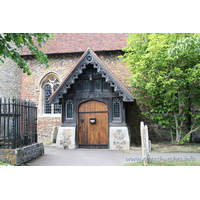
x=21 y=155
x=66 y=138
x=10 y=79
x=119 y=138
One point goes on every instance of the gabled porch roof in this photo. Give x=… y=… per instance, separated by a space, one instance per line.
x=89 y=57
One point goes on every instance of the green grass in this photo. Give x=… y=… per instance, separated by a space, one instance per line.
x=5 y=164
x=166 y=163
x=45 y=141
x=168 y=147
x=174 y=148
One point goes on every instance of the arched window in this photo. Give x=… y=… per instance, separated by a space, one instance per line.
x=48 y=84
x=47 y=93
x=69 y=109
x=79 y=86
x=116 y=109
x=97 y=85
x=105 y=86
x=86 y=86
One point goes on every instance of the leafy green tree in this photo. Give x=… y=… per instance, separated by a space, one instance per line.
x=166 y=77
x=11 y=43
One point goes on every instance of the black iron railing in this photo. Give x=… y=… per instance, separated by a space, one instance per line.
x=18 y=123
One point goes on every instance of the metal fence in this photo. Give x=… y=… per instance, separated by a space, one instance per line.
x=18 y=123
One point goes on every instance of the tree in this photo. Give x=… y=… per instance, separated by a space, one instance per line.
x=166 y=77
x=11 y=43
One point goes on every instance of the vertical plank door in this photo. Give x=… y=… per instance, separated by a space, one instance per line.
x=93 y=135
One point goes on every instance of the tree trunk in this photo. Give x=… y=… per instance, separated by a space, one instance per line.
x=178 y=136
x=177 y=130
x=171 y=132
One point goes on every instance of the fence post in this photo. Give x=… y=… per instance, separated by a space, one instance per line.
x=4 y=123
x=8 y=123
x=26 y=123
x=17 y=121
x=22 y=122
x=13 y=125
x=35 y=123
x=0 y=118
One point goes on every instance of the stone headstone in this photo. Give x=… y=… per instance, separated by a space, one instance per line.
x=54 y=134
x=145 y=143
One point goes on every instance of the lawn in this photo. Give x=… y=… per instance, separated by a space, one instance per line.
x=168 y=147
x=46 y=141
x=5 y=164
x=166 y=163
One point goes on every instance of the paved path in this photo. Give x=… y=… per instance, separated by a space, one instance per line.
x=79 y=157
x=100 y=157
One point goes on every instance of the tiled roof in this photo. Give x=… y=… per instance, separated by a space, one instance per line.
x=78 y=42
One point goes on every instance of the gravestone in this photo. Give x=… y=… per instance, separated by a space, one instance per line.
x=145 y=143
x=54 y=134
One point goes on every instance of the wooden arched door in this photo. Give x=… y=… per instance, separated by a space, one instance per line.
x=93 y=125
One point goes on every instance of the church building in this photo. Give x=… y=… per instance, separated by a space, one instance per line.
x=85 y=93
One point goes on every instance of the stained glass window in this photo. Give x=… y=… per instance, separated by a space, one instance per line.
x=49 y=84
x=57 y=107
x=47 y=106
x=97 y=85
x=69 y=109
x=116 y=108
x=105 y=86
x=79 y=86
x=86 y=86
